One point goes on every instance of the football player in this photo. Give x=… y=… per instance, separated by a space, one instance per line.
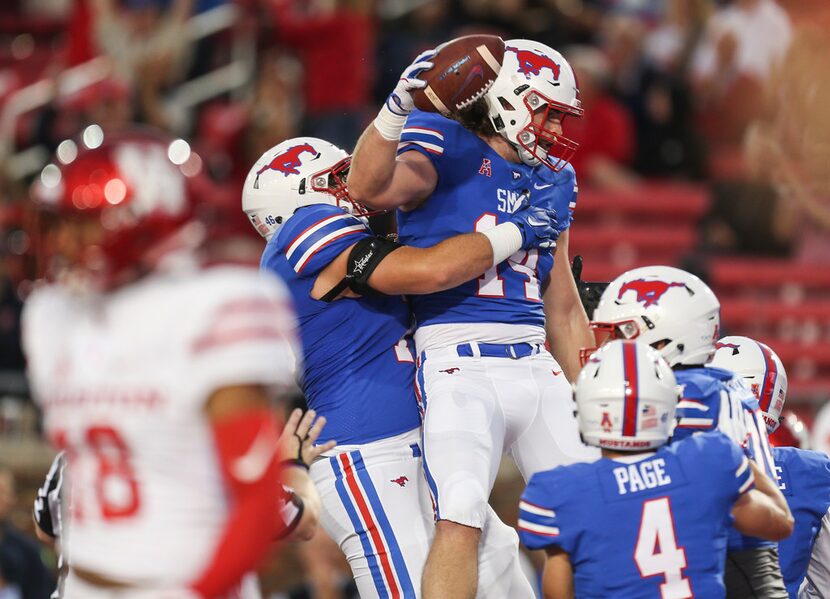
x=358 y=366
x=803 y=476
x=488 y=384
x=676 y=313
x=649 y=519
x=298 y=507
x=154 y=372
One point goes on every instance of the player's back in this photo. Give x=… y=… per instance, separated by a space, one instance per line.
x=124 y=379
x=647 y=526
x=476 y=190
x=804 y=479
x=358 y=367
x=716 y=399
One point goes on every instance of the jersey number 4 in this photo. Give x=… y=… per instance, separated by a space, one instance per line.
x=657 y=552
x=490 y=284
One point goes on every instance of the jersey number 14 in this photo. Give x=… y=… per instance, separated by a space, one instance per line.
x=657 y=552
x=491 y=284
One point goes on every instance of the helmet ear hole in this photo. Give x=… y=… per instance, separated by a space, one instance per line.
x=505 y=104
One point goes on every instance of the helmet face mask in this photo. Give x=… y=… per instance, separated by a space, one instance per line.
x=535 y=86
x=298 y=172
x=626 y=398
x=668 y=308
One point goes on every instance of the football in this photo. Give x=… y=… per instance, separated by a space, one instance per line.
x=463 y=71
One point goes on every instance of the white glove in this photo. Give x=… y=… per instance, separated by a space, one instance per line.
x=399 y=104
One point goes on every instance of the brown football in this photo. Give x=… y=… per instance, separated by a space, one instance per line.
x=463 y=71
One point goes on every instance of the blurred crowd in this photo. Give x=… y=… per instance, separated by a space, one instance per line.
x=725 y=93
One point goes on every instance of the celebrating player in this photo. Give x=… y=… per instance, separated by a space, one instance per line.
x=358 y=367
x=803 y=476
x=676 y=313
x=649 y=519
x=153 y=373
x=487 y=383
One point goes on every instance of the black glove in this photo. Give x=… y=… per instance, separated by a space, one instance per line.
x=589 y=293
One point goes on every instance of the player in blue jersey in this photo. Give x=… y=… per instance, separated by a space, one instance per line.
x=676 y=313
x=803 y=476
x=649 y=520
x=358 y=369
x=487 y=383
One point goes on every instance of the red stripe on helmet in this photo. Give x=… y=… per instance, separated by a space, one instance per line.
x=770 y=376
x=632 y=391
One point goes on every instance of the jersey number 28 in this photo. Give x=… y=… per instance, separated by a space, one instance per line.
x=657 y=552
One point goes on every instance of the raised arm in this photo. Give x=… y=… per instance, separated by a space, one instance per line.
x=566 y=323
x=379 y=178
x=763 y=511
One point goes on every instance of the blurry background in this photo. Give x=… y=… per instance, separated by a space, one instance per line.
x=705 y=144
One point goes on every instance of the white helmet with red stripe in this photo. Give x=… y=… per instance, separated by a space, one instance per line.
x=298 y=172
x=534 y=78
x=626 y=396
x=763 y=370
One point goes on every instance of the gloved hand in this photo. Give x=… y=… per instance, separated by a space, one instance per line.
x=589 y=293
x=537 y=225
x=400 y=100
x=399 y=104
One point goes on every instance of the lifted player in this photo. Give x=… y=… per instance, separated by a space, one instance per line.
x=649 y=519
x=488 y=384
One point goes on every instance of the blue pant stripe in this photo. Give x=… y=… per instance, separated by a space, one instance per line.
x=433 y=488
x=386 y=529
x=358 y=528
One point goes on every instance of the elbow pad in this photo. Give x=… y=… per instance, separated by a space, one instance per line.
x=364 y=258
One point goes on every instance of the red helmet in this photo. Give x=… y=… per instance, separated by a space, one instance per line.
x=112 y=204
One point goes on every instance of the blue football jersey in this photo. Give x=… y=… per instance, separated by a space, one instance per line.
x=715 y=399
x=654 y=525
x=804 y=479
x=478 y=189
x=358 y=368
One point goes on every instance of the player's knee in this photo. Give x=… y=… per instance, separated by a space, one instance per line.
x=464 y=503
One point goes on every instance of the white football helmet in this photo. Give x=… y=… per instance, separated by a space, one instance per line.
x=656 y=304
x=534 y=78
x=762 y=369
x=626 y=396
x=297 y=172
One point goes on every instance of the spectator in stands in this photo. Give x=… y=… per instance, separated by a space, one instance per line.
x=743 y=44
x=19 y=555
x=335 y=41
x=788 y=149
x=670 y=47
x=606 y=137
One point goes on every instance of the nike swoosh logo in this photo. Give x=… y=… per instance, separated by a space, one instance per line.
x=251 y=466
x=542 y=186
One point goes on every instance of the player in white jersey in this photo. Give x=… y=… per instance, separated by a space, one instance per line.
x=486 y=382
x=155 y=375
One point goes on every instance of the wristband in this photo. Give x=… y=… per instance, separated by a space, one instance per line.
x=389 y=124
x=294 y=462
x=506 y=240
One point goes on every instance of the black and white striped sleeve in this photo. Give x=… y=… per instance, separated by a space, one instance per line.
x=47 y=506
